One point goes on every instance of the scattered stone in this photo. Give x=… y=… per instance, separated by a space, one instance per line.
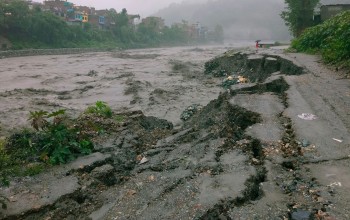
x=255 y=161
x=92 y=73
x=301 y=215
x=151 y=178
x=305 y=143
x=130 y=192
x=190 y=111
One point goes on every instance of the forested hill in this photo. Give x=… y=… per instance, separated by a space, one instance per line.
x=242 y=20
x=27 y=27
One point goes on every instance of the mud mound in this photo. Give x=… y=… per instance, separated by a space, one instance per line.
x=223 y=119
x=254 y=67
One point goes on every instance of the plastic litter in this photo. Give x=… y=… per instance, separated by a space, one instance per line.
x=340 y=141
x=307 y=116
x=144 y=160
x=232 y=80
x=335 y=184
x=241 y=79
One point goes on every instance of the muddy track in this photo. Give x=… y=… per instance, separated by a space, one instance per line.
x=238 y=157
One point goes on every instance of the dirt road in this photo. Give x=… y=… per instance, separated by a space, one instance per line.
x=250 y=152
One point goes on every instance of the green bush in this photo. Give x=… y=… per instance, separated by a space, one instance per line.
x=101 y=109
x=5 y=162
x=331 y=39
x=57 y=140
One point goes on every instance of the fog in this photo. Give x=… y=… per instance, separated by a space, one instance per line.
x=241 y=19
x=142 y=7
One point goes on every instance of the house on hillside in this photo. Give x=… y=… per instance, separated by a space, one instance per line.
x=85 y=9
x=132 y=19
x=330 y=8
x=58 y=7
x=81 y=17
x=157 y=23
x=328 y=11
x=99 y=19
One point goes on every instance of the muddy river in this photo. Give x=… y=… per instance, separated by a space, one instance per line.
x=160 y=82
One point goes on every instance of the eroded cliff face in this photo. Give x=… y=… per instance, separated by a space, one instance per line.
x=255 y=67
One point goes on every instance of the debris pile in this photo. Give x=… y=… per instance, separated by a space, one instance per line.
x=189 y=111
x=232 y=80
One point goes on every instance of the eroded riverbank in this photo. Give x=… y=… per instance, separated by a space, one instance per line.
x=241 y=156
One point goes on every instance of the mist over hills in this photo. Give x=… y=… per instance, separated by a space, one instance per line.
x=241 y=19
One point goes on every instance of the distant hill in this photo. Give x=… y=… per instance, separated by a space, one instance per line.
x=241 y=19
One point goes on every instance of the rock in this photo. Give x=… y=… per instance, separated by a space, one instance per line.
x=105 y=174
x=190 y=111
x=301 y=215
x=255 y=161
x=305 y=143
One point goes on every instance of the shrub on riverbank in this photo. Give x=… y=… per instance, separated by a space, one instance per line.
x=331 y=39
x=56 y=139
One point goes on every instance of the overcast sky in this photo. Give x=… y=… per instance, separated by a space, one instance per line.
x=142 y=7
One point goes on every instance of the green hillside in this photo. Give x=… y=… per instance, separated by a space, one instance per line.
x=331 y=39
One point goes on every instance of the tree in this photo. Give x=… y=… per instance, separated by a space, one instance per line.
x=118 y=21
x=13 y=16
x=299 y=15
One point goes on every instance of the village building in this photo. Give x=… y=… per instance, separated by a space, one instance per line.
x=329 y=8
x=99 y=19
x=156 y=22
x=58 y=7
x=329 y=11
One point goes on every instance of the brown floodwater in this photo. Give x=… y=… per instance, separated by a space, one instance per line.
x=161 y=82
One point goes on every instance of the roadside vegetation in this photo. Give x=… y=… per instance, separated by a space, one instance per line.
x=331 y=39
x=34 y=28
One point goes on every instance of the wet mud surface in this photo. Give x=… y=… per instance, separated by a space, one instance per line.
x=243 y=153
